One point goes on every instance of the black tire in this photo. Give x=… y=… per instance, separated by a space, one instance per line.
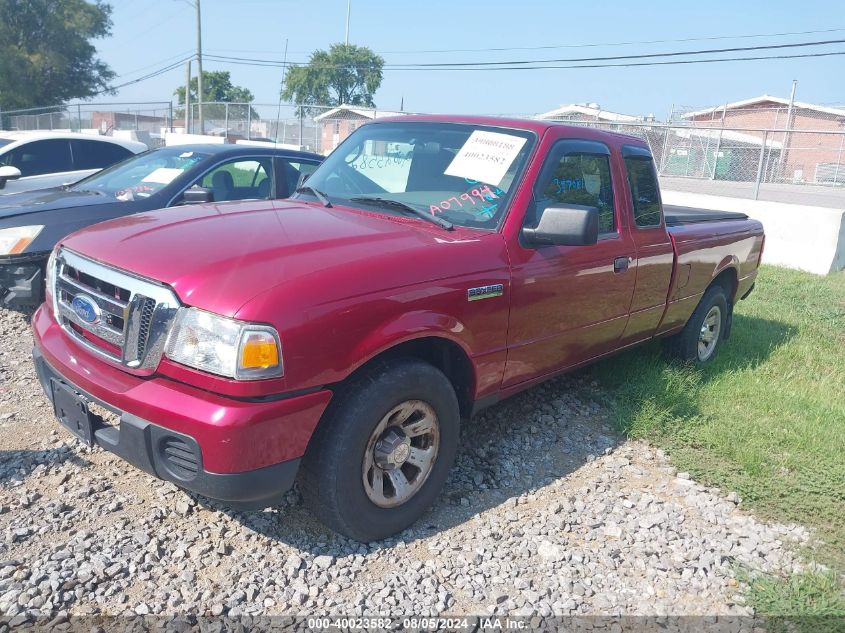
x=684 y=346
x=330 y=476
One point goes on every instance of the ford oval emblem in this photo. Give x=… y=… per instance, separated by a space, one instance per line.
x=86 y=309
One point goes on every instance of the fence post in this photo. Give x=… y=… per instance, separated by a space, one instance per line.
x=838 y=160
x=718 y=143
x=249 y=121
x=79 y=116
x=760 y=165
x=170 y=116
x=226 y=123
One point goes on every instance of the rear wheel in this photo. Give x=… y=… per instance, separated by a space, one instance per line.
x=383 y=452
x=699 y=341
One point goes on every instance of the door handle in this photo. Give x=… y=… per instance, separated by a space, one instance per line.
x=620 y=264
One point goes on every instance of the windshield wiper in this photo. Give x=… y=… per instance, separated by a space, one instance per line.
x=316 y=193
x=396 y=204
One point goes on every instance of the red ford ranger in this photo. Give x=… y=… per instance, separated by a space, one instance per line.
x=430 y=267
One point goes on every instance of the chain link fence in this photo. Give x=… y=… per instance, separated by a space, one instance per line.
x=150 y=119
x=790 y=165
x=782 y=153
x=313 y=128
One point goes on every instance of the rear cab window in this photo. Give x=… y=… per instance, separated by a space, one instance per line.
x=645 y=191
x=577 y=172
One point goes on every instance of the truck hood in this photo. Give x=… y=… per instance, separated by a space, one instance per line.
x=219 y=256
x=15 y=204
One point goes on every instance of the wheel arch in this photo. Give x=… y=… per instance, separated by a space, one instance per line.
x=438 y=350
x=727 y=277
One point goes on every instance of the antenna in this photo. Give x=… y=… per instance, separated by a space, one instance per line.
x=281 y=88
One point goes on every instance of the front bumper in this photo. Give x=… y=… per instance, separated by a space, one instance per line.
x=244 y=453
x=22 y=280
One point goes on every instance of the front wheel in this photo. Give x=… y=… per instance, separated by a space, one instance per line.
x=700 y=339
x=381 y=455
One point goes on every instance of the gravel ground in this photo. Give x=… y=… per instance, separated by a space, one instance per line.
x=547 y=512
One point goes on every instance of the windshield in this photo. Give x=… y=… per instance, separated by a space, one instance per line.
x=141 y=176
x=464 y=174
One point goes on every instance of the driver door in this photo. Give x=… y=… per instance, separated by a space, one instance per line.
x=571 y=303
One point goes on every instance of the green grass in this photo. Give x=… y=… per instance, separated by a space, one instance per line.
x=766 y=418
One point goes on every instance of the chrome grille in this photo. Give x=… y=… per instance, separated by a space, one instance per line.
x=130 y=314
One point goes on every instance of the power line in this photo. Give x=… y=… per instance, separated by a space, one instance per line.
x=566 y=67
x=516 y=63
x=734 y=49
x=559 y=46
x=155 y=73
x=161 y=61
x=606 y=44
x=571 y=63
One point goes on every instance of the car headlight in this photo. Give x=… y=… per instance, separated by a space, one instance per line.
x=223 y=346
x=50 y=283
x=16 y=239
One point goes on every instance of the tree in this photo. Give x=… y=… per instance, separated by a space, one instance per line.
x=45 y=52
x=345 y=74
x=216 y=86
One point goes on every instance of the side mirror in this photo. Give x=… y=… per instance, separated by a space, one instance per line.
x=301 y=181
x=198 y=195
x=8 y=172
x=565 y=225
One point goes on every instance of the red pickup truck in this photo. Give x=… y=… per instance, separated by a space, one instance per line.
x=430 y=267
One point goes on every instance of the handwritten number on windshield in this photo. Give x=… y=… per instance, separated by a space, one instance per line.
x=484 y=194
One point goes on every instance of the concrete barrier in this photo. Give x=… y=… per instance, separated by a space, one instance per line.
x=797 y=236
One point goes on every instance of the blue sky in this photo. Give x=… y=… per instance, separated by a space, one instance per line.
x=150 y=34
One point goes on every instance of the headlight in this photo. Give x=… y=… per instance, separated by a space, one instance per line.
x=222 y=346
x=50 y=283
x=16 y=239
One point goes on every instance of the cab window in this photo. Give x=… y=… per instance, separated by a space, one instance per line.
x=579 y=178
x=645 y=192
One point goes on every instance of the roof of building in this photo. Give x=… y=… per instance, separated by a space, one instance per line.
x=588 y=109
x=766 y=99
x=726 y=135
x=343 y=111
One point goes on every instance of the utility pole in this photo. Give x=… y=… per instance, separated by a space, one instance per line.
x=784 y=151
x=199 y=66
x=348 y=11
x=188 y=97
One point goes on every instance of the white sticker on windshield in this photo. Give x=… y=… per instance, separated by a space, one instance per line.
x=162 y=175
x=186 y=154
x=486 y=157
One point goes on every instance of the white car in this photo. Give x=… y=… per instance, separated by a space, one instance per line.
x=37 y=160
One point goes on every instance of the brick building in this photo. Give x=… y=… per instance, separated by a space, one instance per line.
x=338 y=123
x=813 y=156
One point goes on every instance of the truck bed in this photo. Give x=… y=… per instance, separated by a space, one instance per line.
x=688 y=215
